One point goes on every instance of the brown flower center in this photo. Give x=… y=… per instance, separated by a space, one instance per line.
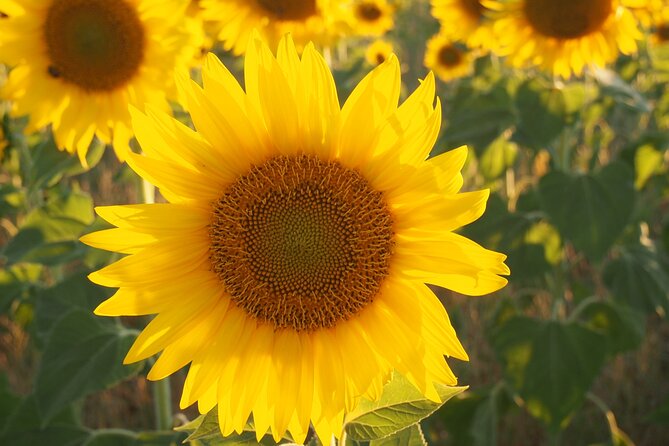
x=368 y=12
x=567 y=19
x=301 y=243
x=289 y=9
x=662 y=32
x=97 y=45
x=449 y=56
x=473 y=8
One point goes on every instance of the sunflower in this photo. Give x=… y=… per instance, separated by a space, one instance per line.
x=306 y=20
x=371 y=17
x=79 y=63
x=447 y=58
x=464 y=20
x=378 y=52
x=289 y=266
x=646 y=11
x=564 y=36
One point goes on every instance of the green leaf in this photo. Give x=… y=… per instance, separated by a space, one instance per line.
x=121 y=437
x=401 y=405
x=83 y=354
x=24 y=427
x=648 y=161
x=411 y=436
x=15 y=281
x=49 y=234
x=613 y=86
x=497 y=157
x=550 y=364
x=542 y=114
x=639 y=277
x=477 y=118
x=590 y=210
x=204 y=430
x=623 y=327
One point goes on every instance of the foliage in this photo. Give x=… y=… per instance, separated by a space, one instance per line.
x=579 y=202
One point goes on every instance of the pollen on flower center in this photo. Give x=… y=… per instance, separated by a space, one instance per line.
x=369 y=12
x=97 y=45
x=449 y=56
x=567 y=19
x=300 y=242
x=289 y=9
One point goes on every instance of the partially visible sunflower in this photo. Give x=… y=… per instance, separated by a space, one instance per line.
x=3 y=143
x=77 y=64
x=305 y=20
x=646 y=11
x=563 y=36
x=378 y=52
x=289 y=267
x=464 y=20
x=447 y=58
x=198 y=29
x=370 y=17
x=660 y=34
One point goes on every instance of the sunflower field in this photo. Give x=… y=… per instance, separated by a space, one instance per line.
x=334 y=222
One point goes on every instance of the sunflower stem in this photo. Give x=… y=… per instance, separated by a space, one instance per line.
x=162 y=404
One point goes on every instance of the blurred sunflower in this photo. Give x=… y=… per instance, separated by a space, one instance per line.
x=79 y=63
x=289 y=266
x=447 y=59
x=305 y=20
x=371 y=17
x=464 y=20
x=378 y=52
x=660 y=35
x=646 y=11
x=563 y=36
x=3 y=143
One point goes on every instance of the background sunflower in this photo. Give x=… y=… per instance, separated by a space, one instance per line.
x=78 y=65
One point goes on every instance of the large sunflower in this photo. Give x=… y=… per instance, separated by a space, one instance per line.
x=79 y=63
x=563 y=36
x=306 y=20
x=447 y=58
x=464 y=20
x=289 y=266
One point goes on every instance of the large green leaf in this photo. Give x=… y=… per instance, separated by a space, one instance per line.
x=590 y=210
x=82 y=354
x=49 y=234
x=639 y=277
x=477 y=117
x=401 y=405
x=75 y=292
x=205 y=430
x=550 y=364
x=542 y=114
x=623 y=327
x=24 y=427
x=411 y=436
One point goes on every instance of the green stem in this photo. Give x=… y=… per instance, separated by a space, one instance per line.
x=162 y=404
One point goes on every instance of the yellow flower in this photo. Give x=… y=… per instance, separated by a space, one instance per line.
x=378 y=52
x=563 y=36
x=370 y=17
x=79 y=63
x=306 y=20
x=646 y=11
x=448 y=59
x=289 y=266
x=660 y=35
x=464 y=20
